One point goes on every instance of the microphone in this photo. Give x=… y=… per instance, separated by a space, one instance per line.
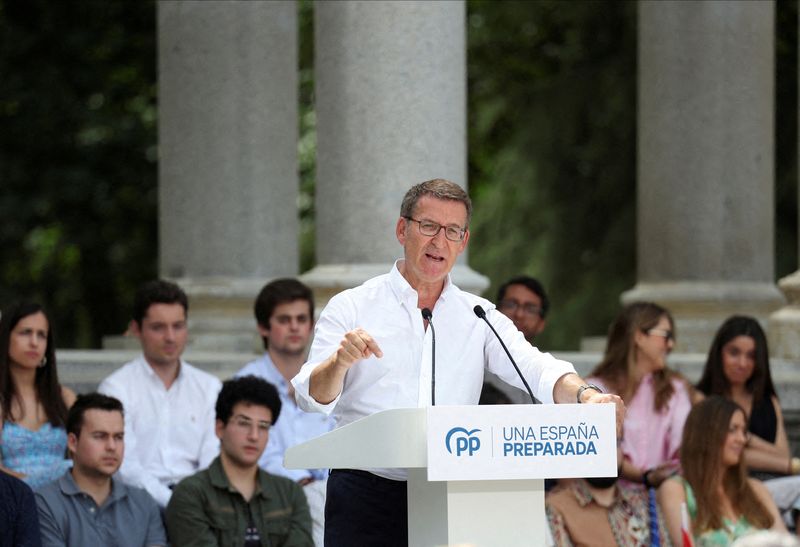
x=428 y=316
x=482 y=315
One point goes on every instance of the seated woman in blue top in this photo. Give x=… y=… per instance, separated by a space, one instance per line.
x=723 y=504
x=33 y=406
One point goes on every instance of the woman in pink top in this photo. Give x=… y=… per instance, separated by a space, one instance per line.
x=657 y=399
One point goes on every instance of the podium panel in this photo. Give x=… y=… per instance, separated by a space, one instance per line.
x=489 y=462
x=476 y=513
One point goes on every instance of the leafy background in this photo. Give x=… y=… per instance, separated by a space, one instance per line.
x=552 y=154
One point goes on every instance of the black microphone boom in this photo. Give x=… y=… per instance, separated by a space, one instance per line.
x=428 y=316
x=482 y=315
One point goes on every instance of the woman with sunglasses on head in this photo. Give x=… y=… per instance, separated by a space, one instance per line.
x=737 y=367
x=722 y=503
x=657 y=399
x=33 y=405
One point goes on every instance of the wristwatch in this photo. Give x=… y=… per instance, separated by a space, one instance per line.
x=585 y=387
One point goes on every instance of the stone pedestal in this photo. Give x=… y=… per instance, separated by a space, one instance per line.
x=228 y=181
x=391 y=112
x=705 y=235
x=784 y=324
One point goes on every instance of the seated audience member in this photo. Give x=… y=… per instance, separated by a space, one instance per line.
x=234 y=502
x=738 y=368
x=169 y=430
x=284 y=311
x=657 y=399
x=33 y=406
x=19 y=522
x=723 y=504
x=523 y=300
x=602 y=511
x=87 y=506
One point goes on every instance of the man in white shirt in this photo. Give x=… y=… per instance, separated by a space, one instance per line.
x=169 y=422
x=284 y=311
x=372 y=352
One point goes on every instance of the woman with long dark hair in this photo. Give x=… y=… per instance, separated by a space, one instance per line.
x=657 y=399
x=33 y=405
x=721 y=501
x=737 y=367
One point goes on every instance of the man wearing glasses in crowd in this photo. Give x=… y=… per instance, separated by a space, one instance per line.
x=523 y=300
x=234 y=502
x=372 y=351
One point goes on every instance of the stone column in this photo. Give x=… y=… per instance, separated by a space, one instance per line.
x=705 y=213
x=784 y=324
x=391 y=112
x=228 y=181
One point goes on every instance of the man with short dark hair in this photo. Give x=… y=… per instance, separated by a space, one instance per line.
x=372 y=352
x=284 y=311
x=170 y=427
x=523 y=300
x=234 y=502
x=86 y=506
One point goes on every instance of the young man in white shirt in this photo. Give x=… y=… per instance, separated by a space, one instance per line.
x=169 y=427
x=284 y=312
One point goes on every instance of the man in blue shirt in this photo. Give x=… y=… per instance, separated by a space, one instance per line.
x=86 y=506
x=284 y=311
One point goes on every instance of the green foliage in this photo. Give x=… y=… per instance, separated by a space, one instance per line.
x=77 y=160
x=552 y=118
x=552 y=154
x=307 y=147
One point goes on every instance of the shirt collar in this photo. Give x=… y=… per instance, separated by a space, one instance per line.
x=69 y=487
x=219 y=479
x=145 y=366
x=404 y=291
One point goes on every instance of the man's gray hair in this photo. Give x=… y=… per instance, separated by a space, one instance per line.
x=436 y=188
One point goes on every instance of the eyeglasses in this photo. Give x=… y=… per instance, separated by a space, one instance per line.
x=245 y=425
x=512 y=306
x=664 y=333
x=430 y=228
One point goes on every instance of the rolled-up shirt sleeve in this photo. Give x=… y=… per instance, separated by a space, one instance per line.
x=334 y=321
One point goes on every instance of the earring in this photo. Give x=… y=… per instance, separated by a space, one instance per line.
x=44 y=361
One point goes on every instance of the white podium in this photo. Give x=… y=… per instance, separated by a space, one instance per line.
x=486 y=464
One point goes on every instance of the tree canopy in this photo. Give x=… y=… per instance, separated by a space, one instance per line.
x=552 y=154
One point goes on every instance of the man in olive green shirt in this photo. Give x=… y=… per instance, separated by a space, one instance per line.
x=234 y=503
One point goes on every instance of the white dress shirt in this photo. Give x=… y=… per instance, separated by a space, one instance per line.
x=294 y=425
x=169 y=433
x=386 y=308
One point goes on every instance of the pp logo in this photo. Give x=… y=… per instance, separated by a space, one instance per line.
x=463 y=441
